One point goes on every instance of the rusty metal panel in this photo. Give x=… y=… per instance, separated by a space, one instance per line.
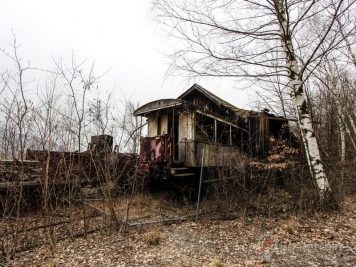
x=17 y=170
x=157 y=149
x=101 y=143
x=64 y=165
x=68 y=167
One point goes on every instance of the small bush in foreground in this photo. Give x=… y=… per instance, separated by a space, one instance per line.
x=219 y=264
x=152 y=237
x=291 y=226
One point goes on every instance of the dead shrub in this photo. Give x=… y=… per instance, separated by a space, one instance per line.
x=291 y=226
x=52 y=263
x=353 y=227
x=152 y=238
x=143 y=201
x=139 y=200
x=219 y=264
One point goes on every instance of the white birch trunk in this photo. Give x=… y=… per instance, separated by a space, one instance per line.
x=351 y=135
x=341 y=121
x=343 y=115
x=340 y=117
x=295 y=85
x=352 y=123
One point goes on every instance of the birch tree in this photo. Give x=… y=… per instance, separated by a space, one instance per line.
x=240 y=39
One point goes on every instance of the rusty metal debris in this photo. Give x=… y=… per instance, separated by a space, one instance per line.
x=59 y=170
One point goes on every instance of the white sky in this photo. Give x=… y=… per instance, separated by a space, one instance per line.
x=118 y=35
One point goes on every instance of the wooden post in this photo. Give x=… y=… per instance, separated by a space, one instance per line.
x=215 y=132
x=230 y=137
x=200 y=182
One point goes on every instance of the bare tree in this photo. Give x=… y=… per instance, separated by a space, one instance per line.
x=132 y=126
x=100 y=114
x=240 y=39
x=17 y=110
x=79 y=83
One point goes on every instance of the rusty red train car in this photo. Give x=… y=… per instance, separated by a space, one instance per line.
x=200 y=129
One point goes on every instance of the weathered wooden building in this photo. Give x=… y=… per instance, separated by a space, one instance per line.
x=180 y=129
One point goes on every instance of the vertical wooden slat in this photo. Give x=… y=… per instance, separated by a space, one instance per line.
x=215 y=131
x=230 y=136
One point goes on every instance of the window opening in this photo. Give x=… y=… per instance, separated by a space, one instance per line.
x=204 y=128
x=223 y=133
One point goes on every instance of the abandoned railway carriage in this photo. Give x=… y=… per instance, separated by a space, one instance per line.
x=199 y=128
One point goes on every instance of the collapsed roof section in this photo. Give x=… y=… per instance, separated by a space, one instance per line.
x=218 y=101
x=184 y=99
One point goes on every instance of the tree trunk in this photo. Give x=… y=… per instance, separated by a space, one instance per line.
x=352 y=123
x=295 y=85
x=341 y=121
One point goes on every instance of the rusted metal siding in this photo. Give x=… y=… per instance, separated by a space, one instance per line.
x=68 y=167
x=101 y=143
x=157 y=149
x=14 y=171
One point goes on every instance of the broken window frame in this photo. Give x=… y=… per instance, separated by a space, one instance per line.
x=215 y=137
x=223 y=133
x=204 y=128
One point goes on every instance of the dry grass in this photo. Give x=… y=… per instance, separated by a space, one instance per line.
x=219 y=264
x=326 y=239
x=52 y=263
x=152 y=237
x=353 y=227
x=143 y=202
x=291 y=226
x=139 y=201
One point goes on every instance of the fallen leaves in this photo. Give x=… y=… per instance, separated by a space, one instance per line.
x=328 y=239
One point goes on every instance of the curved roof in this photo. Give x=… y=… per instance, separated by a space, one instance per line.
x=158 y=104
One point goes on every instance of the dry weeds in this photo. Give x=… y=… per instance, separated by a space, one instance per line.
x=326 y=239
x=152 y=237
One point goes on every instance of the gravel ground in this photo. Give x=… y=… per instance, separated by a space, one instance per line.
x=327 y=239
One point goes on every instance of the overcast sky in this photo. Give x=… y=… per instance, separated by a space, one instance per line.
x=119 y=36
